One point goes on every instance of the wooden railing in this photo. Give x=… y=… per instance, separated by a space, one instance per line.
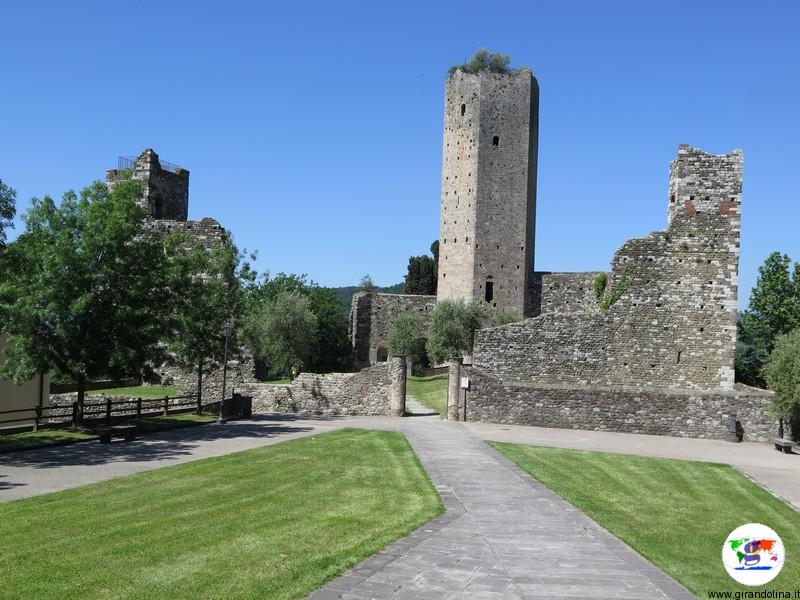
x=105 y=409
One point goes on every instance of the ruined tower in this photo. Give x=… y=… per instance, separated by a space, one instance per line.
x=488 y=205
x=165 y=187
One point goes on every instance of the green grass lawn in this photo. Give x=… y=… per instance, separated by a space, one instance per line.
x=668 y=510
x=274 y=522
x=49 y=437
x=429 y=391
x=279 y=380
x=139 y=391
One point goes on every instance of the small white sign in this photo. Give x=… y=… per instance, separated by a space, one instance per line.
x=465 y=383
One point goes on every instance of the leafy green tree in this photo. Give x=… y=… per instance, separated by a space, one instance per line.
x=452 y=329
x=281 y=331
x=87 y=295
x=7 y=210
x=208 y=290
x=331 y=346
x=421 y=278
x=774 y=310
x=407 y=337
x=332 y=350
x=483 y=60
x=782 y=373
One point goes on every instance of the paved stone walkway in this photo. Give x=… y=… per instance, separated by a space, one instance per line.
x=504 y=535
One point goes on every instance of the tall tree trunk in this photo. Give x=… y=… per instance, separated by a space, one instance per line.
x=200 y=387
x=78 y=421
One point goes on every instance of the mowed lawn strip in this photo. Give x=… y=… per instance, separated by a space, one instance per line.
x=431 y=392
x=274 y=522
x=675 y=513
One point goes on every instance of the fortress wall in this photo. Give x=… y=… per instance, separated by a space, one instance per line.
x=682 y=413
x=362 y=393
x=206 y=232
x=675 y=325
x=562 y=292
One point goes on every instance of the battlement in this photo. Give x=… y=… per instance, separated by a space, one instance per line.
x=165 y=186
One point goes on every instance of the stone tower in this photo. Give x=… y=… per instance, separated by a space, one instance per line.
x=488 y=206
x=165 y=187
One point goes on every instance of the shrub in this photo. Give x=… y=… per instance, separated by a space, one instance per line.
x=600 y=283
x=483 y=60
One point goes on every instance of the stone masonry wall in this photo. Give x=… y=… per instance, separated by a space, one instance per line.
x=562 y=292
x=241 y=372
x=674 y=327
x=682 y=413
x=165 y=192
x=488 y=202
x=370 y=318
x=205 y=232
x=363 y=393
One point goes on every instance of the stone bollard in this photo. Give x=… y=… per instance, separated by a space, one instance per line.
x=453 y=388
x=397 y=390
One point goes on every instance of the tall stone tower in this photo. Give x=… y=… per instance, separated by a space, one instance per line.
x=488 y=207
x=165 y=187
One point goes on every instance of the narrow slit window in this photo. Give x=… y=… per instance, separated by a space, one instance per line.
x=463 y=109
x=489 y=294
x=496 y=140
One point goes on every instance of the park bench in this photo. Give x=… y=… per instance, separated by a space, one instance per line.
x=783 y=445
x=124 y=431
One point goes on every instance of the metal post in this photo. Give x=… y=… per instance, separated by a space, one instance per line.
x=166 y=405
x=138 y=407
x=108 y=409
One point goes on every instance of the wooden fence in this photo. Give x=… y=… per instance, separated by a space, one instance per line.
x=93 y=411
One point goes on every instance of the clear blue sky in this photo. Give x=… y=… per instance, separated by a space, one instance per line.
x=313 y=131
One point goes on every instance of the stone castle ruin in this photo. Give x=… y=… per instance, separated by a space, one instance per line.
x=647 y=347
x=165 y=196
x=165 y=199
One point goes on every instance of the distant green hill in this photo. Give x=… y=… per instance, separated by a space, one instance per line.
x=345 y=294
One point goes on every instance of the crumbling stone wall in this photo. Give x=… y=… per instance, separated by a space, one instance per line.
x=205 y=232
x=488 y=202
x=363 y=393
x=682 y=413
x=370 y=317
x=674 y=327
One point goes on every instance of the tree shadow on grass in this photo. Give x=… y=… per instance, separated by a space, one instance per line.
x=162 y=445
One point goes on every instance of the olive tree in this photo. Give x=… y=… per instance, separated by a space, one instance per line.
x=782 y=374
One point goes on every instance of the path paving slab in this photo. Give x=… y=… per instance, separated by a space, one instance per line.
x=503 y=535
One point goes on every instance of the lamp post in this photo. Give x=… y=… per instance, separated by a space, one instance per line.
x=226 y=331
